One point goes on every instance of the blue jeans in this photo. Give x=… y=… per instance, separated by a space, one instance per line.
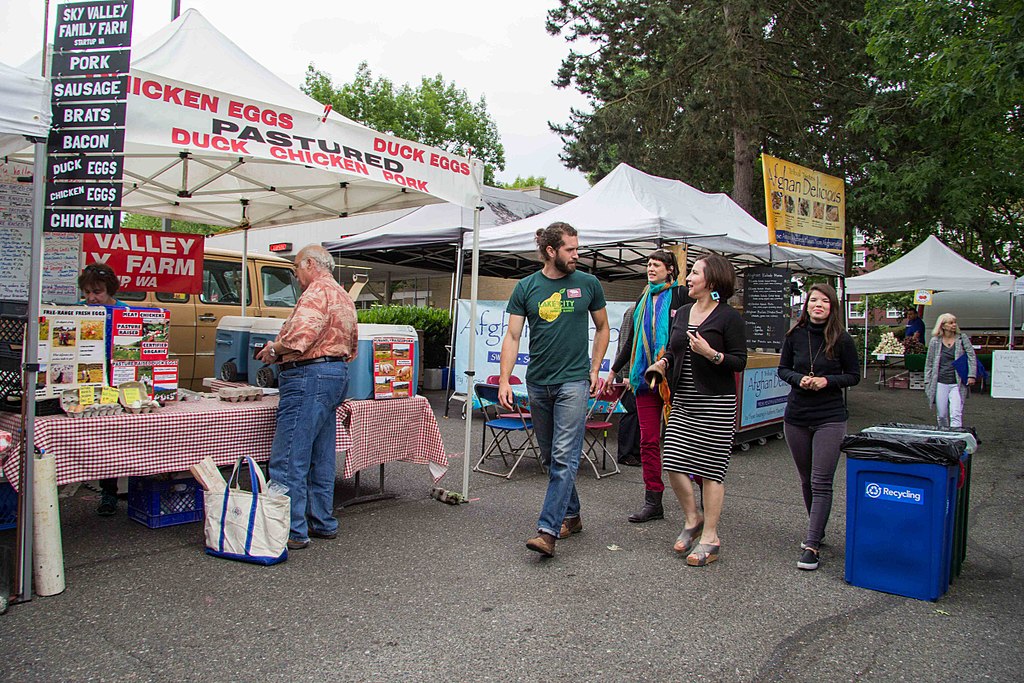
x=559 y=421
x=303 y=455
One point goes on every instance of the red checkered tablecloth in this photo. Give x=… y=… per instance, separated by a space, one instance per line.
x=385 y=431
x=5 y=441
x=180 y=434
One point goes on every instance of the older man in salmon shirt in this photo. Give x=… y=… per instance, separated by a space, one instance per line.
x=314 y=347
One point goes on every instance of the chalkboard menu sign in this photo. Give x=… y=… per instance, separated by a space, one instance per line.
x=766 y=306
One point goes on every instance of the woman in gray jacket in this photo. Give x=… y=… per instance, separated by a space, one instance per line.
x=942 y=384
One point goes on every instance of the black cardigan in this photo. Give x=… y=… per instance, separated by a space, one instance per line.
x=806 y=408
x=679 y=299
x=724 y=331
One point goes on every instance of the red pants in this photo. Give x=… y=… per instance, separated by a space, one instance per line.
x=648 y=410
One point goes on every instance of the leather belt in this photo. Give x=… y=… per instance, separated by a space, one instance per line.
x=322 y=359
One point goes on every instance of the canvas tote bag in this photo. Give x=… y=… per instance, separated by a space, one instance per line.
x=250 y=526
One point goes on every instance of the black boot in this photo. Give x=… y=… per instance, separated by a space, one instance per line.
x=652 y=508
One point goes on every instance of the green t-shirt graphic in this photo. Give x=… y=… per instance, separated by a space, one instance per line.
x=558 y=313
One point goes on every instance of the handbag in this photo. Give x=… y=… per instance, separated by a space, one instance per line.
x=250 y=526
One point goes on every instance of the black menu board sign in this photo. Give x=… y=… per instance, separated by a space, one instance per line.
x=766 y=306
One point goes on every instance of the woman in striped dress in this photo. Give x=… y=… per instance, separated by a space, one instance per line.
x=706 y=347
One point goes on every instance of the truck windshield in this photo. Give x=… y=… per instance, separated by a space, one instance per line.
x=280 y=287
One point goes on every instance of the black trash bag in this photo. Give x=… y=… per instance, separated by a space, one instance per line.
x=933 y=428
x=904 y=449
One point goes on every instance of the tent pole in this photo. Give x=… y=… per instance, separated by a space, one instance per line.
x=26 y=513
x=456 y=295
x=865 y=336
x=471 y=369
x=245 y=257
x=1013 y=297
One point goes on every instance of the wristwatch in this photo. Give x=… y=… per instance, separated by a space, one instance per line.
x=273 y=351
x=717 y=357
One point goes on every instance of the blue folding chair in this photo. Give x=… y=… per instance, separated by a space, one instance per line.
x=501 y=430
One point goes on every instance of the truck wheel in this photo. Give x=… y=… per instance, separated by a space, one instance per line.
x=229 y=371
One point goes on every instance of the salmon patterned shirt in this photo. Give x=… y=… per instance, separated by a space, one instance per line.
x=323 y=323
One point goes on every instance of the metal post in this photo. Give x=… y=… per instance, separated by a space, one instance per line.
x=866 y=336
x=456 y=295
x=471 y=369
x=1013 y=298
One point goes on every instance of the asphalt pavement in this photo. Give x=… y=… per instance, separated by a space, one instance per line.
x=413 y=589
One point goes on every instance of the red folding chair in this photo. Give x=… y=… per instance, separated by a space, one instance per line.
x=595 y=438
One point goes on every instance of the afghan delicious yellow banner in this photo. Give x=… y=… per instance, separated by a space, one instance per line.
x=806 y=209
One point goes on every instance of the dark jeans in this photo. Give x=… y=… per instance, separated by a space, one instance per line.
x=109 y=487
x=816 y=453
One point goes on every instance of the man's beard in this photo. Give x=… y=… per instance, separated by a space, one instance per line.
x=565 y=266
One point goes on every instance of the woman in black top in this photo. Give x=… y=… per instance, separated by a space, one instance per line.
x=643 y=343
x=706 y=348
x=818 y=359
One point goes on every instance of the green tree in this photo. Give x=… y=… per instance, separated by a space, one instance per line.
x=137 y=221
x=521 y=183
x=434 y=113
x=946 y=129
x=696 y=89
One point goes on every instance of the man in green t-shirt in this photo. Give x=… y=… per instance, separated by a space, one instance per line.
x=557 y=301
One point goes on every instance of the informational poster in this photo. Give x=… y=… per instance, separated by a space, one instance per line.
x=160 y=377
x=148 y=261
x=492 y=321
x=72 y=348
x=393 y=359
x=89 y=69
x=139 y=333
x=60 y=250
x=805 y=209
x=763 y=396
x=766 y=306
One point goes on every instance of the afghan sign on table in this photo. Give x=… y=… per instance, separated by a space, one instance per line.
x=72 y=348
x=766 y=306
x=805 y=209
x=392 y=367
x=92 y=53
x=139 y=334
x=60 y=249
x=147 y=261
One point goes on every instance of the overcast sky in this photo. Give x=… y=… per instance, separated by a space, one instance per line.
x=498 y=50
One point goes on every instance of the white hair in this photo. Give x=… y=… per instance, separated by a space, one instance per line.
x=314 y=253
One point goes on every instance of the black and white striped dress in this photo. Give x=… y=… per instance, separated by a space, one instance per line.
x=698 y=436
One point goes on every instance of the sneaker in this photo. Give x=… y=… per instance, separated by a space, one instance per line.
x=803 y=544
x=297 y=545
x=808 y=559
x=108 y=505
x=323 y=534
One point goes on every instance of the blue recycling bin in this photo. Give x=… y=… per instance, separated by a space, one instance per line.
x=901 y=505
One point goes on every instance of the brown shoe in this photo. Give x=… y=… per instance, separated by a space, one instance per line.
x=543 y=544
x=570 y=526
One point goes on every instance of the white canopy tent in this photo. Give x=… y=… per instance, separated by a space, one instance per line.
x=930 y=265
x=214 y=137
x=25 y=118
x=628 y=212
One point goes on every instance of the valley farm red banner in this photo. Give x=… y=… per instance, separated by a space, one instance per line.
x=148 y=261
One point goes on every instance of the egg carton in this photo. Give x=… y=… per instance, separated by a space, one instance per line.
x=143 y=405
x=69 y=402
x=238 y=394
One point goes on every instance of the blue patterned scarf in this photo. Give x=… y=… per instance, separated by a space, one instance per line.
x=650 y=330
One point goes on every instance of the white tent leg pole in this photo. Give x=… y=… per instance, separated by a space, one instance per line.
x=245 y=268
x=866 y=336
x=1013 y=297
x=471 y=369
x=26 y=508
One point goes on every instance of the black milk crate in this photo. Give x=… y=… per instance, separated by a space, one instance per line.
x=159 y=502
x=13 y=315
x=8 y=506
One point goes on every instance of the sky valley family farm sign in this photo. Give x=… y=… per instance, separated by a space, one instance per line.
x=148 y=261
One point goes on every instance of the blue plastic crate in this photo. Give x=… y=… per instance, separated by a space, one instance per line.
x=164 y=502
x=8 y=506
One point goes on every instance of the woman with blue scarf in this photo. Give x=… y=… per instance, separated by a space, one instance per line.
x=645 y=343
